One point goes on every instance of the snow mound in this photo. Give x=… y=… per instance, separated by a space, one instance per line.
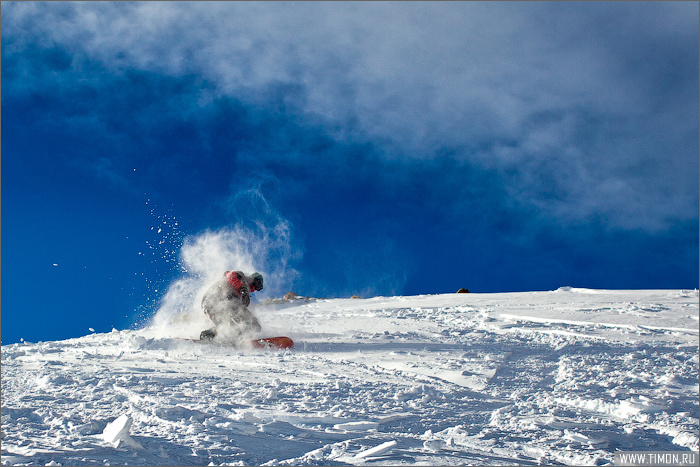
x=559 y=377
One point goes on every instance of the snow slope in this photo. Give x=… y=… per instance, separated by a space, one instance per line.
x=562 y=377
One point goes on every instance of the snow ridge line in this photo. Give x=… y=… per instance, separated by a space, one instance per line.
x=595 y=325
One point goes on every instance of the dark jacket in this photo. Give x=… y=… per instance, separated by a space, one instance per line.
x=227 y=299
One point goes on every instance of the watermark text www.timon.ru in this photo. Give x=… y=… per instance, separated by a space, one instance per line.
x=657 y=458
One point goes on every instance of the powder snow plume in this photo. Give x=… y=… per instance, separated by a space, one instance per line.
x=262 y=245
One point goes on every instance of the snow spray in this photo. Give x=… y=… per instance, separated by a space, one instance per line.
x=261 y=244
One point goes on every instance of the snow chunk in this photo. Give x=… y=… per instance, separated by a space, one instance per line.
x=434 y=444
x=623 y=409
x=584 y=439
x=376 y=451
x=117 y=433
x=279 y=428
x=357 y=426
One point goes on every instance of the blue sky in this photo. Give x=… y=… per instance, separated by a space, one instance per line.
x=375 y=148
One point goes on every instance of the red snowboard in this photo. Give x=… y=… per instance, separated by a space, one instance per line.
x=273 y=343
x=262 y=343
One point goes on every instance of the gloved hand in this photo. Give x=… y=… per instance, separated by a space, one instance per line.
x=244 y=294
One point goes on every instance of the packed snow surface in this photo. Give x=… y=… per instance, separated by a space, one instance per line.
x=562 y=377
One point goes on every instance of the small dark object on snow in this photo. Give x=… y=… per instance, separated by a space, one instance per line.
x=290 y=296
x=355 y=296
x=463 y=291
x=207 y=335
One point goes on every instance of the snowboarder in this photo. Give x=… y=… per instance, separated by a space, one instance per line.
x=226 y=302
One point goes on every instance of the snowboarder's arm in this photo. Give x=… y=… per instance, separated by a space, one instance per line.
x=235 y=279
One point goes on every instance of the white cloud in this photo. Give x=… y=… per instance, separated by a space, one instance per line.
x=568 y=89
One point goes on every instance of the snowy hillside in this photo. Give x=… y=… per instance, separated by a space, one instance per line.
x=562 y=377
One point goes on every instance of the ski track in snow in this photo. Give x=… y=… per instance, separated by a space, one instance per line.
x=562 y=377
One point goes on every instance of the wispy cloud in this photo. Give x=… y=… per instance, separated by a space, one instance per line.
x=582 y=109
